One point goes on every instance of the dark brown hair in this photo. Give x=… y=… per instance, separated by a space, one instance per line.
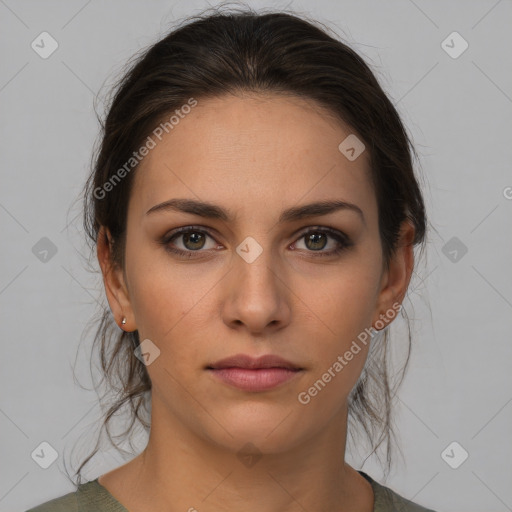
x=231 y=52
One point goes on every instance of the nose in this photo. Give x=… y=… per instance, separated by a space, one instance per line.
x=256 y=295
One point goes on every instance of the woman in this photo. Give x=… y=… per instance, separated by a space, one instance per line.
x=254 y=209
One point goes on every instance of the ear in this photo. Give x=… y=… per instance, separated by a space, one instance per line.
x=396 y=278
x=114 y=282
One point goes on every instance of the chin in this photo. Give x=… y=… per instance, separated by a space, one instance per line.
x=271 y=431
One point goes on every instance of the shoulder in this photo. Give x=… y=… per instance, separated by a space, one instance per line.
x=66 y=503
x=387 y=500
x=88 y=497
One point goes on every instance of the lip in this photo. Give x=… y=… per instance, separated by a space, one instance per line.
x=262 y=379
x=254 y=374
x=254 y=363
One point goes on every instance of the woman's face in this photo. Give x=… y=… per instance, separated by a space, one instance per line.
x=252 y=283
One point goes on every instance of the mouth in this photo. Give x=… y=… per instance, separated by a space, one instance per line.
x=254 y=374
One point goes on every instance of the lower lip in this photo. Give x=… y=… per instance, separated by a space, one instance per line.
x=255 y=380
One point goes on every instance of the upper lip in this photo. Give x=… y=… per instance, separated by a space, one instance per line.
x=245 y=361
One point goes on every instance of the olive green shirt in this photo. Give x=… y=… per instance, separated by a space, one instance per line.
x=93 y=497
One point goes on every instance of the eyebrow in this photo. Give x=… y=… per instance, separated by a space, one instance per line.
x=212 y=211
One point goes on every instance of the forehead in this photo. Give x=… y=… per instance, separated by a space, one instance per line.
x=241 y=150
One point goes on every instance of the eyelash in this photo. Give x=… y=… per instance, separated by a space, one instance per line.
x=343 y=241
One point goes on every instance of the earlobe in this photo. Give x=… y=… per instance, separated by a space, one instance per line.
x=397 y=277
x=113 y=280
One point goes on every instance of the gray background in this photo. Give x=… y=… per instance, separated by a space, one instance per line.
x=458 y=387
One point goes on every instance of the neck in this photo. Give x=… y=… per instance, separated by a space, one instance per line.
x=192 y=472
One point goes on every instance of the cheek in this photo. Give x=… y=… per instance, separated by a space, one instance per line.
x=168 y=301
x=337 y=333
x=154 y=296
x=338 y=319
x=342 y=304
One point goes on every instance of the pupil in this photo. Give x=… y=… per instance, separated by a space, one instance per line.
x=313 y=239
x=194 y=238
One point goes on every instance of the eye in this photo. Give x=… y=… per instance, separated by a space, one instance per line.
x=316 y=239
x=193 y=239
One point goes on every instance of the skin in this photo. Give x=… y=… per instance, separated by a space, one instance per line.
x=254 y=155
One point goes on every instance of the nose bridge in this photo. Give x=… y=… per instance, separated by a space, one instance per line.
x=255 y=268
x=257 y=295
